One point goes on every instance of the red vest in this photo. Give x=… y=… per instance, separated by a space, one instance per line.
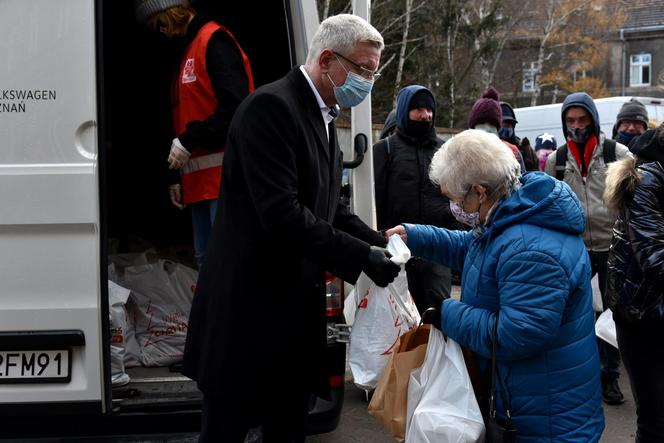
x=195 y=100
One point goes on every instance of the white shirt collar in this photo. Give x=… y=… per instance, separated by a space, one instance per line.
x=324 y=109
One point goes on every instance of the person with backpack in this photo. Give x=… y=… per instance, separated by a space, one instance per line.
x=582 y=163
x=403 y=191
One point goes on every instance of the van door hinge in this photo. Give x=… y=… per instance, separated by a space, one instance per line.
x=338 y=333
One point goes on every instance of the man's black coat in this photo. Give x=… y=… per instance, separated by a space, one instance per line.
x=259 y=310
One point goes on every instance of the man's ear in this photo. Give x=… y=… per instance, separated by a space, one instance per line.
x=325 y=58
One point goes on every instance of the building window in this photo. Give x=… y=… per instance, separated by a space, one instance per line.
x=529 y=77
x=640 y=70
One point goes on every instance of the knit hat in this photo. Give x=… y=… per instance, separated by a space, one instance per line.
x=508 y=112
x=147 y=8
x=422 y=99
x=633 y=110
x=545 y=141
x=486 y=110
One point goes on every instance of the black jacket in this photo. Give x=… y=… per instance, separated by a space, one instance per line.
x=258 y=315
x=635 y=287
x=230 y=86
x=404 y=192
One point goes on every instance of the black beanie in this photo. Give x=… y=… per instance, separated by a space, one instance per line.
x=422 y=99
x=633 y=110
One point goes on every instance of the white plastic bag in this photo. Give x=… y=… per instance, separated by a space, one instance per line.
x=605 y=328
x=598 y=306
x=119 y=322
x=160 y=301
x=441 y=401
x=131 y=351
x=383 y=315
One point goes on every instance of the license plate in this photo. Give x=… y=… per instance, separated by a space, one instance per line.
x=35 y=366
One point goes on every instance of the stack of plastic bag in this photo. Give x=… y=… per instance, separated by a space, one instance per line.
x=131 y=349
x=383 y=315
x=160 y=301
x=119 y=324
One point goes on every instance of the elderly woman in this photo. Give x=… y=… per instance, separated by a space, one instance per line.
x=524 y=266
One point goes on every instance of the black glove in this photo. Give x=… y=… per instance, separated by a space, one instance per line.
x=425 y=288
x=432 y=316
x=379 y=268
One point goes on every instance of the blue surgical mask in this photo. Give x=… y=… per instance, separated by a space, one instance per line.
x=471 y=219
x=354 y=90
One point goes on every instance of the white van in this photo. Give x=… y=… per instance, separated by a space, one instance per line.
x=535 y=120
x=84 y=135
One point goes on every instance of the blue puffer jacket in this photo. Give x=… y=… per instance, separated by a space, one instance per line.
x=530 y=264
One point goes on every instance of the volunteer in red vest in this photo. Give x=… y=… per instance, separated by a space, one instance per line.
x=214 y=77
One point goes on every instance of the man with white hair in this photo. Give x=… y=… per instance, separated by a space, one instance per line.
x=257 y=339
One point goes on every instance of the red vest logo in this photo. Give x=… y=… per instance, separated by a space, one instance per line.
x=188 y=73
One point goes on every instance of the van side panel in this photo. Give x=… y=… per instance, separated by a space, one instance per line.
x=49 y=221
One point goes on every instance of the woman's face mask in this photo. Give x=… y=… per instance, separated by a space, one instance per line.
x=354 y=90
x=471 y=219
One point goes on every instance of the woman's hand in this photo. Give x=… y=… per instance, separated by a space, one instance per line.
x=397 y=230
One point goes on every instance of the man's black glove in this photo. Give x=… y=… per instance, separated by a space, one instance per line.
x=379 y=268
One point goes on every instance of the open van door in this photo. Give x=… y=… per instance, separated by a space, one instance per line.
x=84 y=135
x=50 y=329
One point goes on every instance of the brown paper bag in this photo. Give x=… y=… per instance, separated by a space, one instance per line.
x=388 y=403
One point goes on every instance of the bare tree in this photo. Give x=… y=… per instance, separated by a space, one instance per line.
x=506 y=26
x=573 y=35
x=404 y=44
x=326 y=9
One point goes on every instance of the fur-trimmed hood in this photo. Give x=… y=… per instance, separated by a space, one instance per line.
x=622 y=178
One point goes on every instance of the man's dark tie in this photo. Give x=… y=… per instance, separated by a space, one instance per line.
x=331 y=139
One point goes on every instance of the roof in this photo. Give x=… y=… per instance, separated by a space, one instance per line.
x=639 y=14
x=644 y=13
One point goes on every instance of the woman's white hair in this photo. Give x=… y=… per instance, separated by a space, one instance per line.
x=341 y=33
x=474 y=157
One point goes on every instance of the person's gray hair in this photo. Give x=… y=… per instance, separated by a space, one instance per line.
x=341 y=33
x=474 y=157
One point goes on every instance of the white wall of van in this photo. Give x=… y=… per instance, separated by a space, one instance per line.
x=49 y=240
x=535 y=120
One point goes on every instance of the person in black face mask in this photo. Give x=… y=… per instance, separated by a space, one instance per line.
x=403 y=191
x=632 y=121
x=507 y=133
x=581 y=163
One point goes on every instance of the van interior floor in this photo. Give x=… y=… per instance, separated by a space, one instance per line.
x=159 y=388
